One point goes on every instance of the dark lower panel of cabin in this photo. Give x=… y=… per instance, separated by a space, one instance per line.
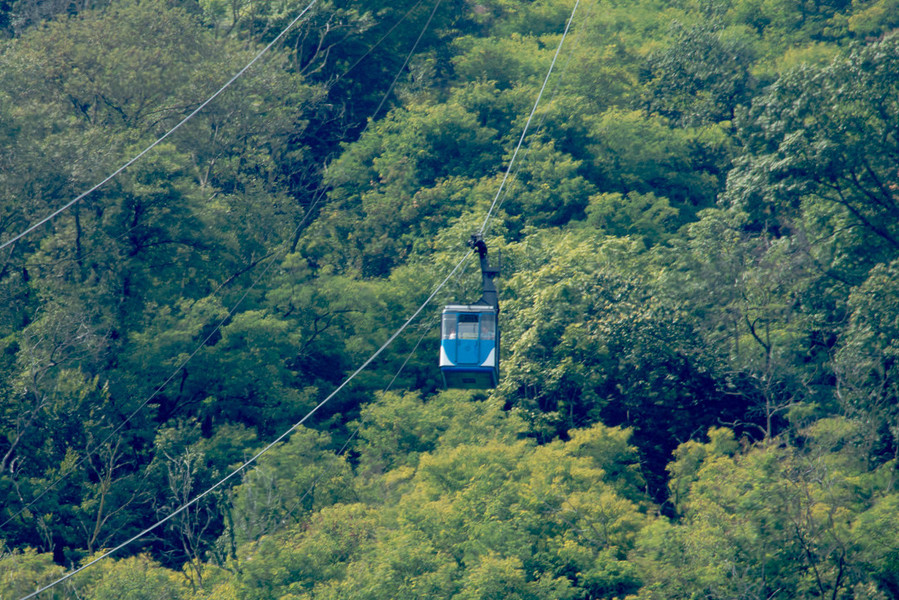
x=469 y=379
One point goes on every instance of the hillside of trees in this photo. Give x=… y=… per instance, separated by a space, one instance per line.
x=699 y=394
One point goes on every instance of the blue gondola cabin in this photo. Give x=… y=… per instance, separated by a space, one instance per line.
x=469 y=346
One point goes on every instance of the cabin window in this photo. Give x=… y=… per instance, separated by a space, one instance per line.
x=449 y=326
x=488 y=326
x=468 y=326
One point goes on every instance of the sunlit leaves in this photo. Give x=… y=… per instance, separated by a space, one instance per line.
x=301 y=476
x=640 y=215
x=135 y=578
x=770 y=522
x=633 y=152
x=23 y=572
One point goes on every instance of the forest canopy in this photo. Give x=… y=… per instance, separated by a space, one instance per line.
x=699 y=262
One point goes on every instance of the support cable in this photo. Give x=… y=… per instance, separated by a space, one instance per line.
x=256 y=456
x=364 y=365
x=542 y=120
x=159 y=140
x=530 y=117
x=317 y=195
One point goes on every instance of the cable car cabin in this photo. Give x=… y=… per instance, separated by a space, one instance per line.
x=469 y=346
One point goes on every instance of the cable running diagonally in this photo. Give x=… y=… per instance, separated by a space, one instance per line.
x=408 y=57
x=281 y=437
x=256 y=456
x=555 y=92
x=317 y=195
x=346 y=444
x=530 y=117
x=330 y=85
x=159 y=140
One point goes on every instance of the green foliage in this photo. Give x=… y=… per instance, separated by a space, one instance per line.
x=135 y=578
x=112 y=81
x=291 y=561
x=548 y=190
x=284 y=485
x=639 y=215
x=865 y=362
x=613 y=350
x=818 y=145
x=702 y=77
x=780 y=23
x=24 y=572
x=877 y=527
x=699 y=235
x=633 y=152
x=764 y=309
x=874 y=18
x=464 y=516
x=689 y=458
x=381 y=199
x=774 y=521
x=534 y=18
x=396 y=430
x=505 y=61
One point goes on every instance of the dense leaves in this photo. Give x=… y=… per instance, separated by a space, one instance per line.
x=699 y=254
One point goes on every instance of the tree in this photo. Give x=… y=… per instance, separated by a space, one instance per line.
x=161 y=210
x=134 y=578
x=286 y=485
x=762 y=308
x=771 y=522
x=24 y=572
x=591 y=344
x=640 y=215
x=865 y=362
x=390 y=187
x=820 y=159
x=702 y=77
x=635 y=152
